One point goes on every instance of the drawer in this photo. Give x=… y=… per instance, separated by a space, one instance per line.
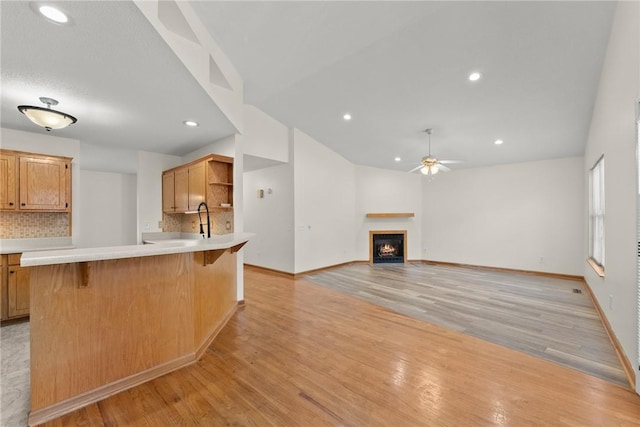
x=14 y=259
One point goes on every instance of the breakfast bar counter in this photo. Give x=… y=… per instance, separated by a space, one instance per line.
x=161 y=247
x=106 y=319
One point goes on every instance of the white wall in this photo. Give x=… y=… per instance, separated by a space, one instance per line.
x=108 y=159
x=379 y=190
x=613 y=134
x=224 y=147
x=238 y=210
x=108 y=195
x=107 y=209
x=266 y=144
x=45 y=143
x=324 y=204
x=149 y=189
x=507 y=216
x=263 y=136
x=271 y=218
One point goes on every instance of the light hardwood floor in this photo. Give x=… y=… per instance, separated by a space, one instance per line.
x=299 y=354
x=542 y=316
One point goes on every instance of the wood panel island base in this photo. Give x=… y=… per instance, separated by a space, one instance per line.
x=100 y=326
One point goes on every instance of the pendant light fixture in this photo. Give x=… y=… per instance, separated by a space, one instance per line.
x=46 y=117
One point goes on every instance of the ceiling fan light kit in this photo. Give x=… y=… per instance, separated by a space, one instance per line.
x=430 y=170
x=430 y=165
x=46 y=117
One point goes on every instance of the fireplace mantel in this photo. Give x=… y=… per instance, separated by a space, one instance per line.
x=391 y=215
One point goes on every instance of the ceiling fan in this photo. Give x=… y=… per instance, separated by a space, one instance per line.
x=430 y=165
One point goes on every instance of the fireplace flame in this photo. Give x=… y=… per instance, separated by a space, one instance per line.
x=387 y=250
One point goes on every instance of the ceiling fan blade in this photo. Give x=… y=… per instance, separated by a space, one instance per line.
x=416 y=168
x=443 y=168
x=450 y=162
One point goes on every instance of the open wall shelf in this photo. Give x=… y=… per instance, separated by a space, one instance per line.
x=391 y=215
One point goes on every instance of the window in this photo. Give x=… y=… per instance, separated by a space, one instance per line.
x=596 y=213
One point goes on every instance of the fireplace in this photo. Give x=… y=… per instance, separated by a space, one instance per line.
x=387 y=246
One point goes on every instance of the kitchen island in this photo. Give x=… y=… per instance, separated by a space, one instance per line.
x=106 y=319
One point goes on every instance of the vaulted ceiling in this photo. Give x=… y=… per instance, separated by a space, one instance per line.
x=396 y=67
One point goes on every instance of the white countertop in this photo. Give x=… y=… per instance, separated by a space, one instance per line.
x=14 y=246
x=163 y=247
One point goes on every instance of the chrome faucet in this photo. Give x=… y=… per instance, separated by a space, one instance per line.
x=208 y=220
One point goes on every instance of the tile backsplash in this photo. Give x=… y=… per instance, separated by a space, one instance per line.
x=171 y=223
x=24 y=225
x=221 y=222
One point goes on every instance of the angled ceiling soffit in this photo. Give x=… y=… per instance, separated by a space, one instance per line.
x=216 y=76
x=182 y=30
x=170 y=15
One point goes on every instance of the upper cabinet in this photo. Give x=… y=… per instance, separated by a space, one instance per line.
x=44 y=183
x=183 y=188
x=209 y=179
x=8 y=163
x=168 y=191
x=196 y=186
x=175 y=190
x=35 y=182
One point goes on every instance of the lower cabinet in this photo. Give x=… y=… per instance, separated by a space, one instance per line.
x=15 y=288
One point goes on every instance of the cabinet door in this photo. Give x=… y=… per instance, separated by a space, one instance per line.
x=168 y=190
x=196 y=185
x=44 y=184
x=18 y=291
x=8 y=181
x=181 y=190
x=3 y=288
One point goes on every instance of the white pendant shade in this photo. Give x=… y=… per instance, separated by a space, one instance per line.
x=46 y=117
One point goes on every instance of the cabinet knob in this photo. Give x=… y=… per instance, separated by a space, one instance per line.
x=10 y=271
x=10 y=203
x=23 y=204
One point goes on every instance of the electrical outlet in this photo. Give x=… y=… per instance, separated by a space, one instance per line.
x=228 y=225
x=193 y=225
x=160 y=224
x=541 y=260
x=147 y=226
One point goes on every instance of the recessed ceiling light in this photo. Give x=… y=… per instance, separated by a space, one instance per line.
x=474 y=76
x=498 y=142
x=190 y=123
x=53 y=14
x=397 y=159
x=347 y=117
